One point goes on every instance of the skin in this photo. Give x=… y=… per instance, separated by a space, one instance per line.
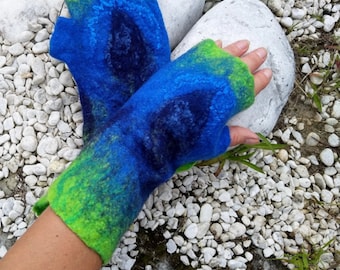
x=50 y=245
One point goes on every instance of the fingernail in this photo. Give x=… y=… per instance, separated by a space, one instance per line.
x=242 y=44
x=268 y=73
x=262 y=53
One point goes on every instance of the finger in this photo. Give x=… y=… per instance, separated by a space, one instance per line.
x=255 y=58
x=262 y=79
x=237 y=48
x=241 y=135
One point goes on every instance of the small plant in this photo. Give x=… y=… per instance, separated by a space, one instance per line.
x=308 y=260
x=241 y=153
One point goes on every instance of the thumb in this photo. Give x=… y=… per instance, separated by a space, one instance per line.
x=241 y=135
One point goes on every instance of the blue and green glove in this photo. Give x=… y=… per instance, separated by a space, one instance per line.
x=111 y=47
x=176 y=117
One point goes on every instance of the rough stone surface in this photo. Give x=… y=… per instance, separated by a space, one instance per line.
x=179 y=16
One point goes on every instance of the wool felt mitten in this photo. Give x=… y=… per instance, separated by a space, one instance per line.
x=111 y=48
x=176 y=117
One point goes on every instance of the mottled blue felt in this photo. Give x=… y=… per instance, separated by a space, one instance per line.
x=111 y=47
x=176 y=117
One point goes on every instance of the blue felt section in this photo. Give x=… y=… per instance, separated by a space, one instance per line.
x=112 y=48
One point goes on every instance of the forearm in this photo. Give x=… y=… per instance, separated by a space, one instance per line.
x=50 y=245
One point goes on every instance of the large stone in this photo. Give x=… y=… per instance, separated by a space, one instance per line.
x=233 y=20
x=179 y=16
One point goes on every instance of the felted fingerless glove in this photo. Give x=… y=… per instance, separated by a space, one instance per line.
x=178 y=116
x=111 y=48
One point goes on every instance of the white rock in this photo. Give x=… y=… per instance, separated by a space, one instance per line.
x=203 y=228
x=267 y=252
x=312 y=139
x=329 y=181
x=329 y=23
x=334 y=140
x=3 y=106
x=42 y=35
x=56 y=166
x=25 y=36
x=250 y=19
x=302 y=171
x=8 y=123
x=206 y=213
x=66 y=78
x=298 y=13
x=327 y=196
x=53 y=118
x=208 y=254
x=306 y=69
x=179 y=209
x=237 y=229
x=31 y=180
x=216 y=229
x=54 y=87
x=38 y=66
x=224 y=196
x=254 y=190
x=336 y=109
x=47 y=146
x=283 y=155
x=320 y=181
x=179 y=16
x=29 y=143
x=4 y=138
x=37 y=169
x=191 y=231
x=275 y=5
x=41 y=47
x=3 y=251
x=3 y=60
x=235 y=264
x=327 y=157
x=171 y=246
x=286 y=22
x=16 y=49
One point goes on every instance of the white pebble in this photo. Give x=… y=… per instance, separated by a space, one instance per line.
x=326 y=196
x=206 y=213
x=3 y=106
x=327 y=157
x=237 y=229
x=336 y=109
x=47 y=146
x=16 y=49
x=36 y=169
x=41 y=47
x=3 y=251
x=191 y=231
x=329 y=23
x=208 y=254
x=3 y=60
x=29 y=143
x=312 y=139
x=224 y=196
x=334 y=140
x=171 y=246
x=298 y=13
x=66 y=79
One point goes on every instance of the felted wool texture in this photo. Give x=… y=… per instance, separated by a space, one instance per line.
x=176 y=117
x=111 y=48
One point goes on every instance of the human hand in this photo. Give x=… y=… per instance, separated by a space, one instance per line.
x=254 y=59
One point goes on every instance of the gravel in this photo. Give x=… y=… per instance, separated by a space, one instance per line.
x=210 y=221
